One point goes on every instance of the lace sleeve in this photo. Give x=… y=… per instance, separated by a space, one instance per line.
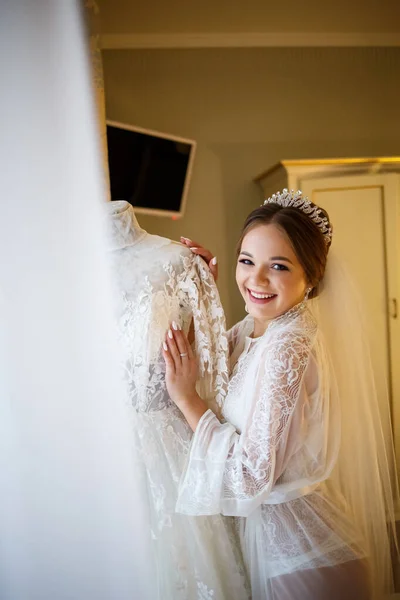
x=232 y=473
x=198 y=290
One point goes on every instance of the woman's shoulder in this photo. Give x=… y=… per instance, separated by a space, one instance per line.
x=287 y=350
x=292 y=330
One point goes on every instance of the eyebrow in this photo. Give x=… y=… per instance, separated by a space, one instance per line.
x=272 y=257
x=281 y=258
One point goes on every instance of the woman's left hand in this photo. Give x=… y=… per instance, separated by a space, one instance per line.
x=205 y=254
x=181 y=366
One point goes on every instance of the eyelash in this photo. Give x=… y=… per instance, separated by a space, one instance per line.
x=282 y=267
x=248 y=262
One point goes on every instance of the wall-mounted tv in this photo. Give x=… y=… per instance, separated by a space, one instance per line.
x=150 y=170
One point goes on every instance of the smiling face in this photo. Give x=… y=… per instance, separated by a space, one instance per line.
x=269 y=275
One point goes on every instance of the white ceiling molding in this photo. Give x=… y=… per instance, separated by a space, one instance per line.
x=136 y=41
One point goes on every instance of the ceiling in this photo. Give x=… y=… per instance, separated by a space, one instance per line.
x=179 y=23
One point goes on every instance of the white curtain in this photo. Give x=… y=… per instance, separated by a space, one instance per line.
x=72 y=521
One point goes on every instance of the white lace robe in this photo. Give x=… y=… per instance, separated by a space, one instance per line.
x=271 y=458
x=198 y=558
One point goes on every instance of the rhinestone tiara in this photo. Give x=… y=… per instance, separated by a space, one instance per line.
x=294 y=199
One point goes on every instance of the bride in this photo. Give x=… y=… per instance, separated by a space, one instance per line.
x=299 y=457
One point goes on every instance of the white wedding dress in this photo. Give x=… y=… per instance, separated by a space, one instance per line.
x=159 y=281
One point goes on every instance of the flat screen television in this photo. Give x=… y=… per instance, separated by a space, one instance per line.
x=150 y=170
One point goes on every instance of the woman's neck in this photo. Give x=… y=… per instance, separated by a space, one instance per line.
x=260 y=327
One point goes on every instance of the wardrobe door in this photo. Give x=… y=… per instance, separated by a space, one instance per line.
x=364 y=213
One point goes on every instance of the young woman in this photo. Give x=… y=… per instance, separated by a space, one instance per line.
x=300 y=457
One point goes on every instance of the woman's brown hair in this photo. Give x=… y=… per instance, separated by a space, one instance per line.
x=306 y=238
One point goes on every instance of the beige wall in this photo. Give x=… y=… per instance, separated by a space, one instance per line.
x=247 y=109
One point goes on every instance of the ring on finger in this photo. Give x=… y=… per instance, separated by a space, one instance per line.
x=183 y=354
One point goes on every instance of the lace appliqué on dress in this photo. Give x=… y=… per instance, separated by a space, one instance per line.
x=187 y=292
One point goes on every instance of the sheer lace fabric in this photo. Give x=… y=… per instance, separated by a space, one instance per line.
x=271 y=459
x=198 y=558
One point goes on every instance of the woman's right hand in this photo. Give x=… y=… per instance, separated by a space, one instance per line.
x=205 y=254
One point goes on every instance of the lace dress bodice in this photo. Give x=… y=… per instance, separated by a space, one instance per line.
x=160 y=281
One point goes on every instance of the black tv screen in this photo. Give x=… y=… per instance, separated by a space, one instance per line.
x=150 y=170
